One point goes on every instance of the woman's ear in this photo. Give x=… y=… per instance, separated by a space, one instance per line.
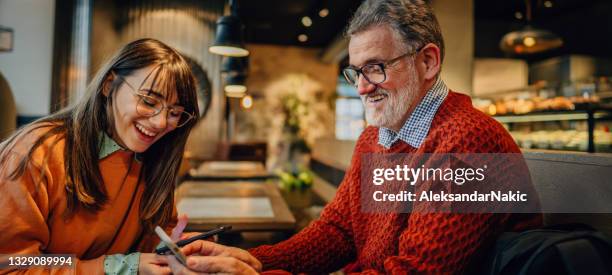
x=107 y=84
x=431 y=60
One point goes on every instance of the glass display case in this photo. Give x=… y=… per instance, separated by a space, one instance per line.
x=585 y=130
x=575 y=116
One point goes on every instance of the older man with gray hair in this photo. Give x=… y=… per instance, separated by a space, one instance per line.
x=396 y=51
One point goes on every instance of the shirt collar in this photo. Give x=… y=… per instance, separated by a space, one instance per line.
x=415 y=129
x=107 y=146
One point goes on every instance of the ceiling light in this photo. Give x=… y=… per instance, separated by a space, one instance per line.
x=228 y=39
x=303 y=38
x=247 y=102
x=323 y=12
x=237 y=91
x=306 y=21
x=229 y=51
x=235 y=85
x=529 y=40
x=548 y=4
x=518 y=15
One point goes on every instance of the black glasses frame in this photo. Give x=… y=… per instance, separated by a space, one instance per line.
x=382 y=66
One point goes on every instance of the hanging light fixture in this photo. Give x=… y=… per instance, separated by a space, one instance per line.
x=235 y=64
x=228 y=41
x=235 y=71
x=529 y=40
x=235 y=85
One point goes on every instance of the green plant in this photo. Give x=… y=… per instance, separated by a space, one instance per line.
x=298 y=180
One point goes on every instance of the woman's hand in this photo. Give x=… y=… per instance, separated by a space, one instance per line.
x=153 y=264
x=177 y=231
x=210 y=264
x=156 y=264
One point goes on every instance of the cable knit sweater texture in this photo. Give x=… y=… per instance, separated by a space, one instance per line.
x=403 y=243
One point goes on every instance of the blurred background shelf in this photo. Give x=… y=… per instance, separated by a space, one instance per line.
x=555 y=116
x=571 y=130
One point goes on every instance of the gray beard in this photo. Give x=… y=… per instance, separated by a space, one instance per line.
x=397 y=104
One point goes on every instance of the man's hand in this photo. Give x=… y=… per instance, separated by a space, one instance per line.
x=209 y=257
x=206 y=248
x=153 y=264
x=210 y=264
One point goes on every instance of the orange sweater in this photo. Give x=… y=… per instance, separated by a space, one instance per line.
x=32 y=221
x=393 y=243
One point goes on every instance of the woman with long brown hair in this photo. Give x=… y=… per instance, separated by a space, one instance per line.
x=93 y=180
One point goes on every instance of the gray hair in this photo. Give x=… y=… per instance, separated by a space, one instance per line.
x=413 y=20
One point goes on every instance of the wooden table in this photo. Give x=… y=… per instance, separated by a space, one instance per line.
x=246 y=206
x=230 y=170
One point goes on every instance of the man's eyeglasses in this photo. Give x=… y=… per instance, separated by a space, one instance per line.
x=374 y=73
x=150 y=106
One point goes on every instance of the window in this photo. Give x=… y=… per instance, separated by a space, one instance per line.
x=349 y=111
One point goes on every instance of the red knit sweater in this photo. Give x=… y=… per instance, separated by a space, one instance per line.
x=402 y=243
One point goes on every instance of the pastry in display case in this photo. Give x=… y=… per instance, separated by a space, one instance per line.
x=533 y=104
x=538 y=118
x=570 y=140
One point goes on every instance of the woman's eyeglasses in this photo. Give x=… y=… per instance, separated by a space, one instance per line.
x=150 y=106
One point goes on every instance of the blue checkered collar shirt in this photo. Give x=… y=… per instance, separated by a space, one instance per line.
x=417 y=126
